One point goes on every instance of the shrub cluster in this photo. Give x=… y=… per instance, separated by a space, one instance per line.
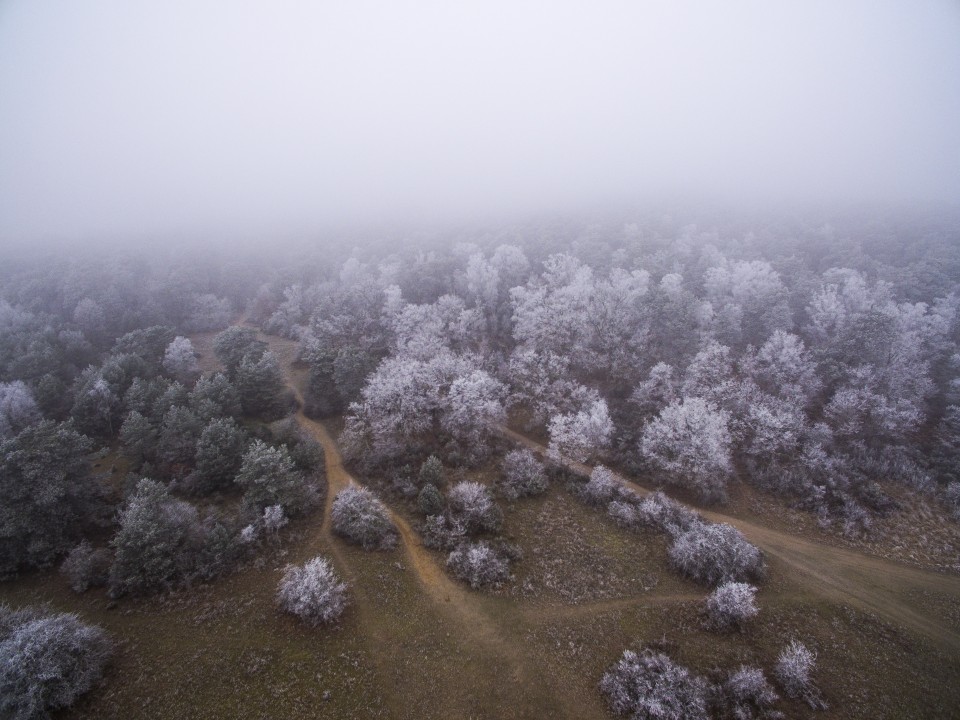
x=522 y=475
x=650 y=686
x=794 y=666
x=472 y=504
x=47 y=661
x=713 y=553
x=361 y=519
x=86 y=567
x=731 y=605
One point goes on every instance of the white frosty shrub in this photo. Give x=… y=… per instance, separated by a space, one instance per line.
x=731 y=605
x=472 y=504
x=602 y=487
x=650 y=686
x=523 y=474
x=478 y=564
x=47 y=662
x=713 y=553
x=747 y=694
x=313 y=592
x=86 y=567
x=583 y=435
x=794 y=667
x=361 y=519
x=274 y=519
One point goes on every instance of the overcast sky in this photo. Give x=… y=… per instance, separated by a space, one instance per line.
x=145 y=118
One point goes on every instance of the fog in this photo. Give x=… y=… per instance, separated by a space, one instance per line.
x=154 y=119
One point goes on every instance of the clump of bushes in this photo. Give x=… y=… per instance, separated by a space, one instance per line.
x=650 y=686
x=479 y=564
x=602 y=487
x=313 y=592
x=713 y=553
x=47 y=661
x=731 y=605
x=442 y=532
x=86 y=567
x=794 y=667
x=361 y=519
x=522 y=475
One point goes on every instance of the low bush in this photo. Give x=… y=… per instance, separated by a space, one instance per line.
x=361 y=519
x=313 y=592
x=713 y=553
x=86 y=567
x=731 y=605
x=48 y=662
x=479 y=565
x=472 y=504
x=602 y=487
x=747 y=694
x=650 y=686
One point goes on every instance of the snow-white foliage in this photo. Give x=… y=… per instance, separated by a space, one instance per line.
x=522 y=474
x=360 y=518
x=690 y=443
x=473 y=505
x=473 y=408
x=660 y=511
x=274 y=519
x=602 y=487
x=313 y=592
x=479 y=565
x=657 y=391
x=714 y=553
x=731 y=605
x=747 y=694
x=542 y=381
x=583 y=435
x=793 y=671
x=443 y=531
x=180 y=360
x=48 y=662
x=18 y=409
x=650 y=686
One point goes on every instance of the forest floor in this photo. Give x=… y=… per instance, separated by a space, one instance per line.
x=414 y=643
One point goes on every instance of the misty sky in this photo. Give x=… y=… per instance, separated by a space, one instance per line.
x=145 y=118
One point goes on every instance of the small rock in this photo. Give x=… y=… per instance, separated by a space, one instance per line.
x=327 y=695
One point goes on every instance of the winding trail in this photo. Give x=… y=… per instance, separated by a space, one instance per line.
x=863 y=581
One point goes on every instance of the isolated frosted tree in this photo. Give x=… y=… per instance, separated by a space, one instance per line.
x=747 y=694
x=360 y=518
x=650 y=686
x=47 y=662
x=795 y=665
x=180 y=360
x=313 y=592
x=581 y=436
x=690 y=443
x=731 y=605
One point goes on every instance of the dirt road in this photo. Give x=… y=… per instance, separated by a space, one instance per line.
x=879 y=586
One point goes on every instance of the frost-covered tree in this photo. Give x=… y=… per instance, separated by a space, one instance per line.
x=138 y=437
x=260 y=385
x=793 y=671
x=581 y=436
x=47 y=662
x=157 y=542
x=219 y=454
x=473 y=408
x=430 y=500
x=180 y=360
x=177 y=443
x=48 y=494
x=713 y=553
x=747 y=694
x=313 y=592
x=602 y=487
x=234 y=344
x=86 y=567
x=650 y=686
x=522 y=475
x=360 y=518
x=268 y=477
x=689 y=442
x=214 y=396
x=473 y=505
x=656 y=392
x=479 y=565
x=18 y=409
x=731 y=605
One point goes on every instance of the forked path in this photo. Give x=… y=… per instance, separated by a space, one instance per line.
x=885 y=588
x=460 y=608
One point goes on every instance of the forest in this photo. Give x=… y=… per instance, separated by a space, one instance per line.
x=671 y=464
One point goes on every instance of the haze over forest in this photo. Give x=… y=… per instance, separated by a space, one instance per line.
x=203 y=119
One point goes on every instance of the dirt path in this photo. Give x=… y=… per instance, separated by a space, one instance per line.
x=868 y=583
